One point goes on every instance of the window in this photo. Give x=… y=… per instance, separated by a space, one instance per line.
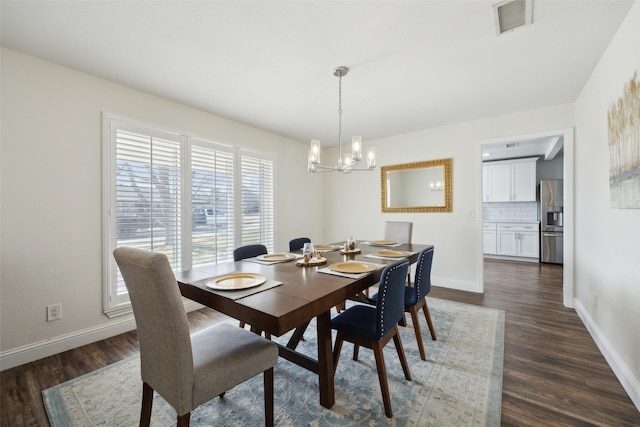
x=191 y=199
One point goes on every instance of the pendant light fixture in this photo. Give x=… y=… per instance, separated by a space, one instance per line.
x=350 y=161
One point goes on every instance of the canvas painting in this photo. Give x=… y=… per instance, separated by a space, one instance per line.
x=624 y=147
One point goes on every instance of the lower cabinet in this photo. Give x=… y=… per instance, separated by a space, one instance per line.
x=518 y=240
x=489 y=243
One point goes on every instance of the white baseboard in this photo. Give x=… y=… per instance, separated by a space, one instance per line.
x=29 y=353
x=512 y=258
x=455 y=284
x=628 y=381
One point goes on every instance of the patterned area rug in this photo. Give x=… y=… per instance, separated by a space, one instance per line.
x=460 y=384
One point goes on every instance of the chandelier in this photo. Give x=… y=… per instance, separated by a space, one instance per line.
x=351 y=160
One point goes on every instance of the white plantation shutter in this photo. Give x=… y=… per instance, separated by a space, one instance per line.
x=257 y=180
x=191 y=199
x=212 y=203
x=147 y=197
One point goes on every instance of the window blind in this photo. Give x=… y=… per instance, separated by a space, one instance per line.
x=147 y=194
x=212 y=204
x=192 y=199
x=257 y=178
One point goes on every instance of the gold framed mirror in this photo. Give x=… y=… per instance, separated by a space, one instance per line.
x=417 y=187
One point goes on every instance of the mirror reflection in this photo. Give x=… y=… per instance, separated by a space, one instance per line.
x=417 y=187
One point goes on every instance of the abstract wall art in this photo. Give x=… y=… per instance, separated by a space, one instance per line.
x=624 y=147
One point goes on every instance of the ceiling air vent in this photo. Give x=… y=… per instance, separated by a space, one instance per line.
x=511 y=14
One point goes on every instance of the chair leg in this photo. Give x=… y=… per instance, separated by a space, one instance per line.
x=255 y=330
x=427 y=315
x=356 y=351
x=403 y=321
x=382 y=378
x=337 y=348
x=183 y=420
x=403 y=359
x=416 y=327
x=268 y=397
x=241 y=324
x=147 y=403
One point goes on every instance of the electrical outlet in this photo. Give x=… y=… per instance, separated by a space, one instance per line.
x=471 y=213
x=595 y=301
x=54 y=312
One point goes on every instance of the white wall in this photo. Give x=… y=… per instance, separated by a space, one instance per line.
x=607 y=242
x=455 y=236
x=51 y=194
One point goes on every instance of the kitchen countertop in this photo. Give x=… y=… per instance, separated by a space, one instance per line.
x=510 y=222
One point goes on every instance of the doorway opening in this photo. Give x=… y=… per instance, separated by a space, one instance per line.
x=555 y=141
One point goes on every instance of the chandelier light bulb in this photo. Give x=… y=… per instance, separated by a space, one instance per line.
x=315 y=152
x=356 y=148
x=371 y=158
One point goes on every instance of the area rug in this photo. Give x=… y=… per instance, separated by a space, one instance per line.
x=460 y=384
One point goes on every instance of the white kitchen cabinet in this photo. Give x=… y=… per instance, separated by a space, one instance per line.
x=509 y=180
x=517 y=240
x=489 y=243
x=529 y=244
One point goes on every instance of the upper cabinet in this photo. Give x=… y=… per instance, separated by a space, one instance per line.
x=509 y=180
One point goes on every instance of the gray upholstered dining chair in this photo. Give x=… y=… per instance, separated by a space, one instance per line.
x=186 y=370
x=373 y=327
x=415 y=297
x=398 y=231
x=298 y=243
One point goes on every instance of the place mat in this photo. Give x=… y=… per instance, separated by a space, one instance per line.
x=379 y=243
x=263 y=262
x=327 y=270
x=235 y=295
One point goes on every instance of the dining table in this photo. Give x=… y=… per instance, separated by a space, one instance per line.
x=294 y=295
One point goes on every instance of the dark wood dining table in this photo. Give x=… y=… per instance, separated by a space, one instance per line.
x=305 y=293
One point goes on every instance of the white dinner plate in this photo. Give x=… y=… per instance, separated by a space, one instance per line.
x=236 y=281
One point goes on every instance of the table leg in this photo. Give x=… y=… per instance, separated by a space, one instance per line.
x=298 y=334
x=325 y=361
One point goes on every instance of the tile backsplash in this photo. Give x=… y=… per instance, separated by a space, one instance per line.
x=510 y=211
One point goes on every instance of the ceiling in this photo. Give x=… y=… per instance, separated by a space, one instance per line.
x=413 y=64
x=546 y=148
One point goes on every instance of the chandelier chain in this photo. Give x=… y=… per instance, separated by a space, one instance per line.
x=340 y=117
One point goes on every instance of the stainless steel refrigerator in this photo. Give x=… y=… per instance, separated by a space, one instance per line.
x=551 y=221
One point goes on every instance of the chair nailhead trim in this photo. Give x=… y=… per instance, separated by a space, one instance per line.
x=384 y=296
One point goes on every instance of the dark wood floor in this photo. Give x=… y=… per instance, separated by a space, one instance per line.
x=554 y=374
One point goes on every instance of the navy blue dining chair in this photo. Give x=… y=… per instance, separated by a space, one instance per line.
x=373 y=327
x=249 y=251
x=297 y=244
x=415 y=297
